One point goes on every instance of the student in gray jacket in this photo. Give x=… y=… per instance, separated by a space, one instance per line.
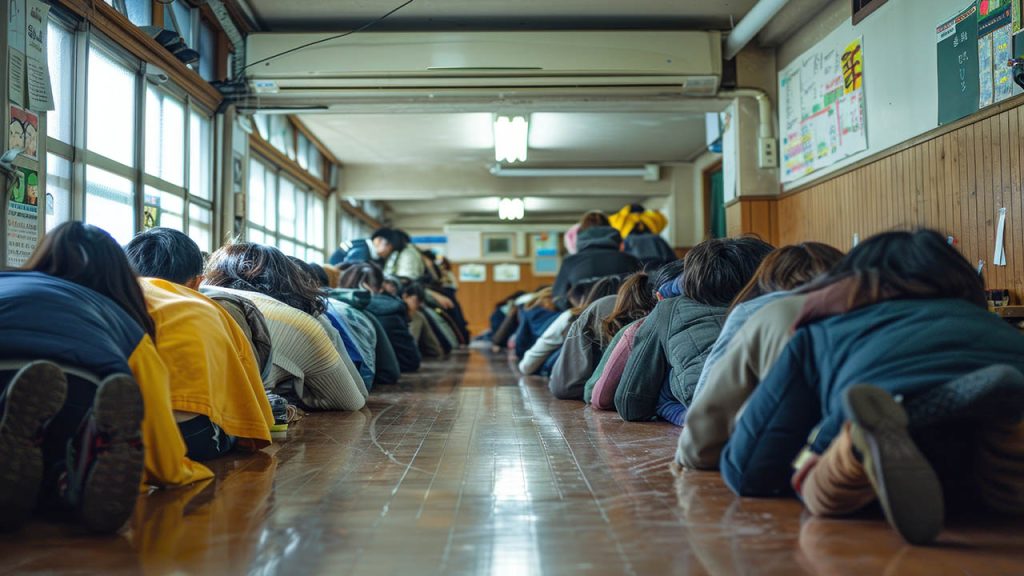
x=678 y=335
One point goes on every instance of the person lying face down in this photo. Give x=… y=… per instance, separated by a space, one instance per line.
x=671 y=347
x=756 y=331
x=311 y=367
x=80 y=364
x=389 y=310
x=903 y=314
x=216 y=387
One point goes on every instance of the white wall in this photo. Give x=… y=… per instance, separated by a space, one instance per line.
x=900 y=73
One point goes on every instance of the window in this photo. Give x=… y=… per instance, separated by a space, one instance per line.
x=285 y=213
x=58 y=191
x=165 y=136
x=140 y=12
x=207 y=51
x=61 y=53
x=148 y=149
x=111 y=107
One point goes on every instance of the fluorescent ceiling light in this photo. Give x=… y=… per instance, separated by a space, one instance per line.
x=511 y=209
x=649 y=172
x=510 y=138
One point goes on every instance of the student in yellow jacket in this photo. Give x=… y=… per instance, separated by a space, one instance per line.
x=80 y=371
x=216 y=389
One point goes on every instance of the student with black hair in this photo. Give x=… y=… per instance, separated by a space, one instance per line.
x=77 y=439
x=902 y=315
x=216 y=389
x=378 y=248
x=671 y=347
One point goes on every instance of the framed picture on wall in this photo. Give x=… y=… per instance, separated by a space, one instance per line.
x=498 y=245
x=545 y=253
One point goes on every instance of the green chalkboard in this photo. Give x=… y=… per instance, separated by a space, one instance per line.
x=957 y=57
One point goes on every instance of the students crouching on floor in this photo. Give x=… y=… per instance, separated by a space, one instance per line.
x=216 y=389
x=904 y=388
x=672 y=345
x=637 y=297
x=310 y=365
x=80 y=370
x=542 y=356
x=754 y=334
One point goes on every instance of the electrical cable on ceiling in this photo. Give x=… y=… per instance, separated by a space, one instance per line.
x=328 y=39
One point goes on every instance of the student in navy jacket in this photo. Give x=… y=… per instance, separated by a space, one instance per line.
x=905 y=314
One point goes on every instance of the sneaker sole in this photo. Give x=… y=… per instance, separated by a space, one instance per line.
x=994 y=392
x=906 y=485
x=36 y=394
x=112 y=485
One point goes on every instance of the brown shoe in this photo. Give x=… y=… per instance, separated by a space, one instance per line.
x=904 y=481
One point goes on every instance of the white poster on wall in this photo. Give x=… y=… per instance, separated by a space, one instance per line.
x=730 y=154
x=822 y=109
x=40 y=93
x=506 y=273
x=16 y=51
x=473 y=273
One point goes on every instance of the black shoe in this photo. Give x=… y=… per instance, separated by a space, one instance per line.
x=904 y=481
x=106 y=459
x=992 y=393
x=35 y=395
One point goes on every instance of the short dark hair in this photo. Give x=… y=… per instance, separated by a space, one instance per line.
x=165 y=253
x=790 y=267
x=265 y=269
x=593 y=218
x=396 y=238
x=415 y=289
x=667 y=273
x=717 y=269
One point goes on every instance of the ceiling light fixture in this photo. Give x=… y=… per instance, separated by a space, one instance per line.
x=511 y=209
x=510 y=138
x=649 y=172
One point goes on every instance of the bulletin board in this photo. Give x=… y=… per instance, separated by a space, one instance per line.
x=822 y=113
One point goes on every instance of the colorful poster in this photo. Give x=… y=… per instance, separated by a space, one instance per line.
x=986 y=89
x=823 y=116
x=23 y=132
x=995 y=24
x=16 y=51
x=150 y=211
x=1002 y=52
x=40 y=93
x=23 y=217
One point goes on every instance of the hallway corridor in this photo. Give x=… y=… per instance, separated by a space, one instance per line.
x=464 y=470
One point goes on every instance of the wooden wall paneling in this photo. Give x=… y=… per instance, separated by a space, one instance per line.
x=478 y=298
x=971 y=216
x=1011 y=183
x=986 y=189
x=1016 y=224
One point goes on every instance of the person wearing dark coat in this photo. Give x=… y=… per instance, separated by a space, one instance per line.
x=901 y=384
x=597 y=255
x=377 y=248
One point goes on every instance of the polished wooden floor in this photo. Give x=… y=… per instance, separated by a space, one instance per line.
x=466 y=470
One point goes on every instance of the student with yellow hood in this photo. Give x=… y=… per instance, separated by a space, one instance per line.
x=216 y=389
x=641 y=228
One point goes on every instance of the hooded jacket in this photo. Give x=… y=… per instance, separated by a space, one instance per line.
x=598 y=256
x=906 y=347
x=650 y=249
x=43 y=317
x=677 y=336
x=581 y=352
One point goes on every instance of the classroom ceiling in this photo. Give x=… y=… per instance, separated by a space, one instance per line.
x=563 y=138
x=333 y=15
x=630 y=136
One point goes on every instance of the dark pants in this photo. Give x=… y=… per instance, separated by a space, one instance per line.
x=204 y=440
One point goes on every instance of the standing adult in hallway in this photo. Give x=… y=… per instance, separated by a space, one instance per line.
x=216 y=389
x=378 y=248
x=598 y=254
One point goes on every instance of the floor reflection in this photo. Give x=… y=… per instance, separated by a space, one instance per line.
x=465 y=469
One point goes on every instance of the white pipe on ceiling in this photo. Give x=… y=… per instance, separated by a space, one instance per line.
x=751 y=24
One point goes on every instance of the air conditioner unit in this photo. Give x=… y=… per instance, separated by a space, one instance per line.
x=485 y=64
